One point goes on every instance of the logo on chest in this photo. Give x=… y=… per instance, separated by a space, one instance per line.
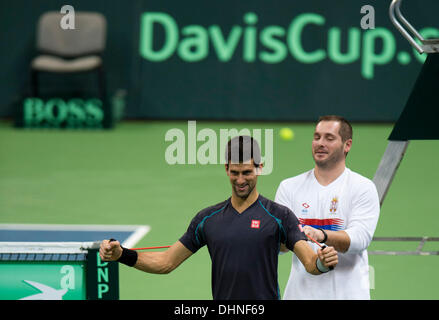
x=255 y=224
x=305 y=207
x=334 y=205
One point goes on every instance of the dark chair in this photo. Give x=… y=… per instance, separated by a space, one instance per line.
x=66 y=51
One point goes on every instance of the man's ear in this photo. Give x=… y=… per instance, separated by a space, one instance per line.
x=348 y=145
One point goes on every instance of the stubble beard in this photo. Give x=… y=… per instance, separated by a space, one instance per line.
x=245 y=194
x=331 y=161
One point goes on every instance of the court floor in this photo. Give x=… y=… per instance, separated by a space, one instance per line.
x=121 y=177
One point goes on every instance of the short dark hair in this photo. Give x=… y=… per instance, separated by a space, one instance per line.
x=345 y=127
x=242 y=149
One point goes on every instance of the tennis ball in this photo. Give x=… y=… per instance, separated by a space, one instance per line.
x=286 y=134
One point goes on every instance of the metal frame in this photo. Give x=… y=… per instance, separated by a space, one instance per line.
x=417 y=252
x=387 y=168
x=426 y=46
x=396 y=149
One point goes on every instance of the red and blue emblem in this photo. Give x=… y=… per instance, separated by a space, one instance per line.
x=326 y=224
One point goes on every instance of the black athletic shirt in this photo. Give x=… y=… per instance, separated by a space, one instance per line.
x=244 y=247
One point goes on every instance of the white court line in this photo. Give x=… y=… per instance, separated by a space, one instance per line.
x=138 y=231
x=135 y=237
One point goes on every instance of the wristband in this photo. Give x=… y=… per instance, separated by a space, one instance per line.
x=128 y=257
x=321 y=267
x=325 y=235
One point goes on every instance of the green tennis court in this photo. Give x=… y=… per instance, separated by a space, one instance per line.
x=121 y=177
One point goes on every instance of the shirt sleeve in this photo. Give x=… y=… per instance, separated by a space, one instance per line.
x=292 y=230
x=364 y=218
x=193 y=238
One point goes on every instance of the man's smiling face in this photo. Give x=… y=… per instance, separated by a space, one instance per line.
x=328 y=147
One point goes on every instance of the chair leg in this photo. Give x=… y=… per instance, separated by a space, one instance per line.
x=108 y=114
x=102 y=84
x=34 y=83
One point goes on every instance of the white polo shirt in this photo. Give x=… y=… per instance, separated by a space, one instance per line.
x=349 y=203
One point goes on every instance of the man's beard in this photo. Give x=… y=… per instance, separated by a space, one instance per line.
x=243 y=195
x=331 y=161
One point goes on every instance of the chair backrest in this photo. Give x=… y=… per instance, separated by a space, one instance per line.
x=88 y=36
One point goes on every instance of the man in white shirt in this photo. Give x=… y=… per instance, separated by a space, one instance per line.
x=337 y=207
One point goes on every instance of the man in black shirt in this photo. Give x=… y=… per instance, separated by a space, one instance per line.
x=243 y=234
